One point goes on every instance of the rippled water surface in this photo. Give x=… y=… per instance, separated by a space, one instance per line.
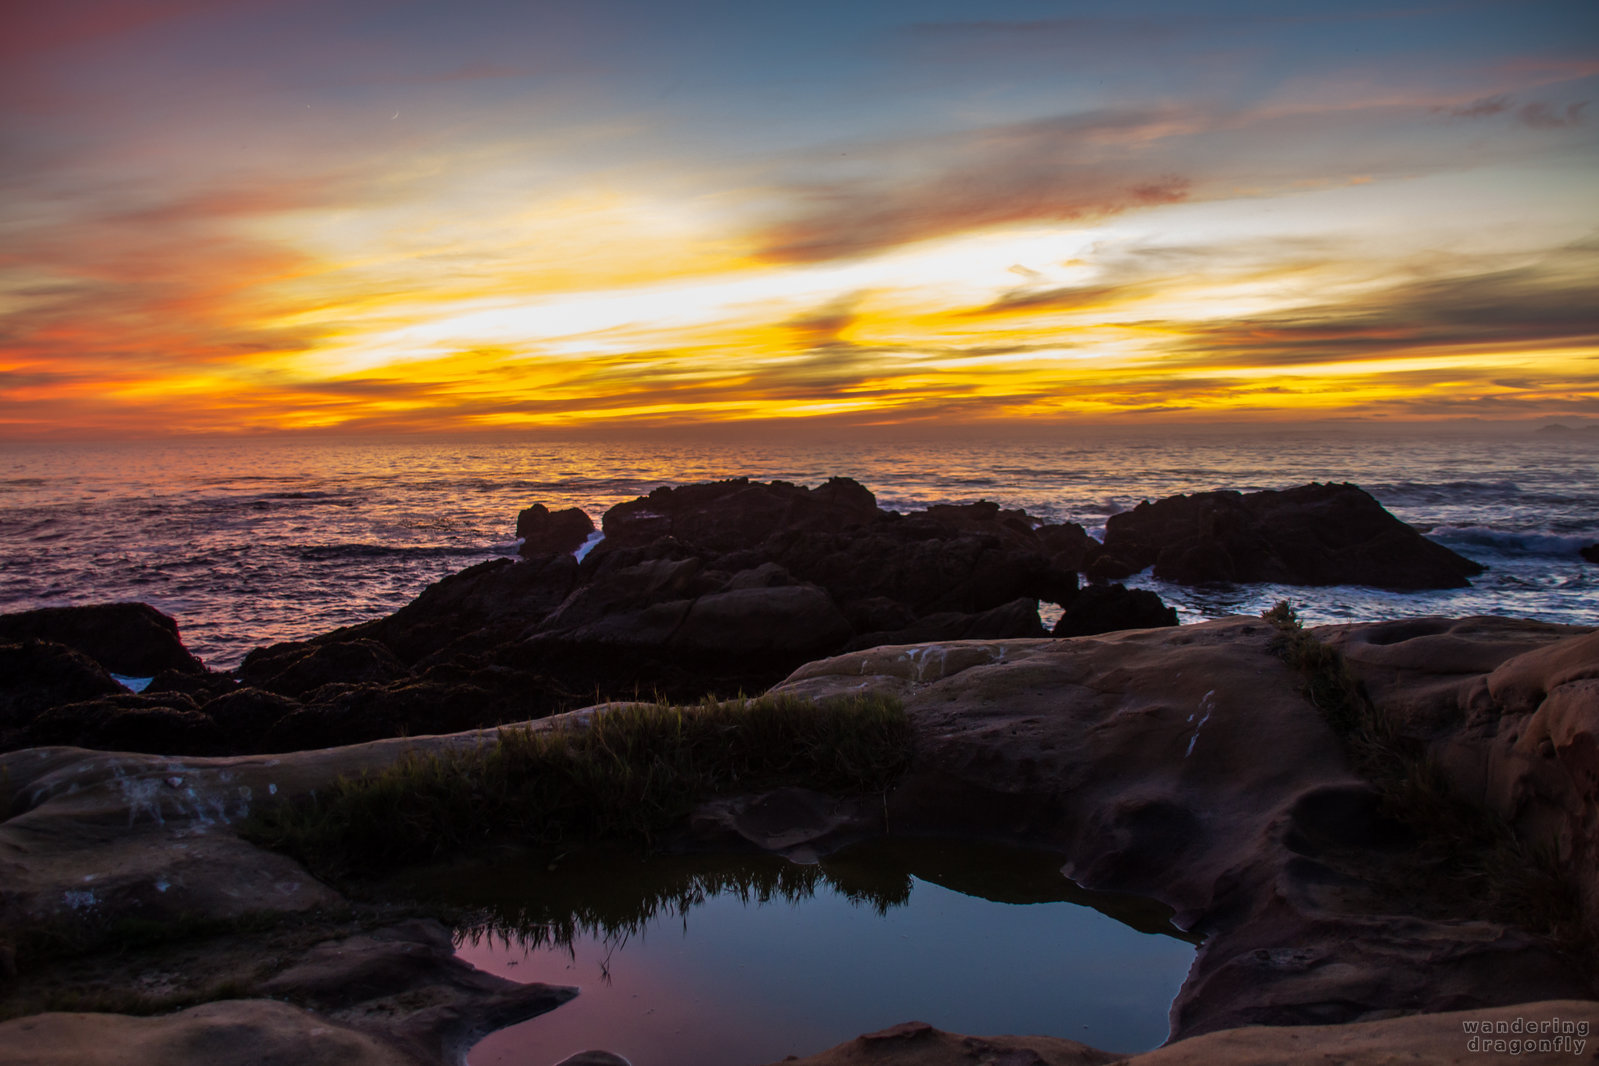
x=247 y=543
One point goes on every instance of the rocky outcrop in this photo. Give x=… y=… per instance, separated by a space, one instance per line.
x=1106 y=608
x=1312 y=535
x=547 y=532
x=37 y=675
x=131 y=639
x=1185 y=765
x=1590 y=553
x=1180 y=764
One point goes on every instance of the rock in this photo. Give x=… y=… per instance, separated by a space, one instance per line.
x=1590 y=553
x=1509 y=714
x=131 y=639
x=1139 y=754
x=1018 y=618
x=293 y=669
x=159 y=724
x=228 y=1033
x=727 y=515
x=787 y=621
x=37 y=675
x=481 y=606
x=246 y=715
x=546 y=532
x=594 y=1058
x=1440 y=1038
x=1107 y=608
x=352 y=714
x=1311 y=535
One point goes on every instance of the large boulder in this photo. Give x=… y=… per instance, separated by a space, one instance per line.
x=131 y=639
x=727 y=515
x=546 y=532
x=1108 y=608
x=1311 y=535
x=1589 y=552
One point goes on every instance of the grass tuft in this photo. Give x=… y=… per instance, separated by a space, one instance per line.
x=627 y=774
x=1469 y=859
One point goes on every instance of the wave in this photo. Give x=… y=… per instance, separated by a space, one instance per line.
x=324 y=552
x=1502 y=542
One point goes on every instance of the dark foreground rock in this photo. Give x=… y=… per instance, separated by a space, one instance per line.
x=1590 y=553
x=1180 y=764
x=1312 y=535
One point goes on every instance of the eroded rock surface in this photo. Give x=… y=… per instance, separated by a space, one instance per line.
x=1180 y=764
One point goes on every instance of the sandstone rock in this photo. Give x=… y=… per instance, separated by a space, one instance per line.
x=246 y=1032
x=594 y=1058
x=1590 y=552
x=132 y=639
x=1107 y=608
x=1311 y=535
x=1437 y=1038
x=545 y=531
x=1142 y=756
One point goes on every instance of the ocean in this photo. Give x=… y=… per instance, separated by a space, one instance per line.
x=250 y=542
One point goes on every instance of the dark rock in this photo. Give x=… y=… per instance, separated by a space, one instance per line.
x=1068 y=545
x=293 y=669
x=1590 y=553
x=350 y=714
x=1018 y=618
x=245 y=715
x=132 y=639
x=158 y=725
x=1311 y=535
x=1109 y=608
x=793 y=621
x=37 y=675
x=485 y=605
x=727 y=515
x=201 y=687
x=548 y=532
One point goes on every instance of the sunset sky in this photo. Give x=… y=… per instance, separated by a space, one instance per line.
x=240 y=216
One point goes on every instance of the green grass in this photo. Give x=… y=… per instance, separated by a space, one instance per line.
x=1467 y=859
x=628 y=774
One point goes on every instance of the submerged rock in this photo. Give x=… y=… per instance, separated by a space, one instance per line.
x=1311 y=535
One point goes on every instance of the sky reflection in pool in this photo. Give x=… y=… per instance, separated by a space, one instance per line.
x=740 y=969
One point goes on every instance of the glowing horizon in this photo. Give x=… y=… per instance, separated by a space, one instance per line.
x=363 y=217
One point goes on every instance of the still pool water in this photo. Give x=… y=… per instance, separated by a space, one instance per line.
x=723 y=962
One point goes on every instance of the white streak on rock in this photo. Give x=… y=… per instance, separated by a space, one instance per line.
x=1208 y=705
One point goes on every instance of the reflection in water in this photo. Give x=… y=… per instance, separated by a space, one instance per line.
x=732 y=961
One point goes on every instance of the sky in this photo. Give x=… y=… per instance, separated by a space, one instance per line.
x=403 y=216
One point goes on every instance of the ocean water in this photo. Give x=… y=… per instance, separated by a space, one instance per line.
x=250 y=542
